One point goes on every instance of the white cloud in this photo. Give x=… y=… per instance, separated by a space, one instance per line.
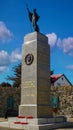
x=3 y=68
x=6 y=59
x=52 y=39
x=59 y=43
x=70 y=67
x=15 y=56
x=5 y=33
x=66 y=45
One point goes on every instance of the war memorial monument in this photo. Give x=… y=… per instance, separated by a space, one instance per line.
x=35 y=112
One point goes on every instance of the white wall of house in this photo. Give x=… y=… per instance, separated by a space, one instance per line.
x=62 y=81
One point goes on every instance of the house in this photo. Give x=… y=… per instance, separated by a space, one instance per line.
x=60 y=80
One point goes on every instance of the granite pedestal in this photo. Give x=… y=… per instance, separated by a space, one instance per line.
x=35 y=86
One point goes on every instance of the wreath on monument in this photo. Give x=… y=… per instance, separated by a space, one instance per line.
x=29 y=59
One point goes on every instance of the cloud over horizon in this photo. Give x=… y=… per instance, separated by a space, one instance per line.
x=7 y=59
x=65 y=44
x=5 y=33
x=52 y=39
x=3 y=68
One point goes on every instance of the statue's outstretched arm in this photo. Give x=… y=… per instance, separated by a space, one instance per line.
x=27 y=8
x=29 y=14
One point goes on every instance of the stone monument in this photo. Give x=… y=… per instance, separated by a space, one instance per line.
x=35 y=112
x=35 y=82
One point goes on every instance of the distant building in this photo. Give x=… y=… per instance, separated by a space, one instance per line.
x=60 y=80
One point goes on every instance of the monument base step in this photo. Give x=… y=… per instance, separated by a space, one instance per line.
x=31 y=120
x=35 y=123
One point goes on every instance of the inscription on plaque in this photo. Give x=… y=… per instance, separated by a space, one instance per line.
x=29 y=84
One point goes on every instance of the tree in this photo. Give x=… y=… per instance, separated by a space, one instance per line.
x=51 y=72
x=5 y=84
x=17 y=76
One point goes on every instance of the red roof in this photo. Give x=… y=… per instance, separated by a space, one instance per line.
x=55 y=77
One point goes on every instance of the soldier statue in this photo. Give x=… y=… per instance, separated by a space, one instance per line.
x=34 y=17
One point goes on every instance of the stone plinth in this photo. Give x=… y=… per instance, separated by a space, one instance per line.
x=35 y=86
x=35 y=123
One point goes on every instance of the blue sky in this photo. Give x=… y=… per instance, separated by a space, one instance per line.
x=56 y=21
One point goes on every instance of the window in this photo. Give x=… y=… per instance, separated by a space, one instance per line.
x=62 y=78
x=58 y=84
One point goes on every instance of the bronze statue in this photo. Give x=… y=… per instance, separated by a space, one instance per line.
x=34 y=17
